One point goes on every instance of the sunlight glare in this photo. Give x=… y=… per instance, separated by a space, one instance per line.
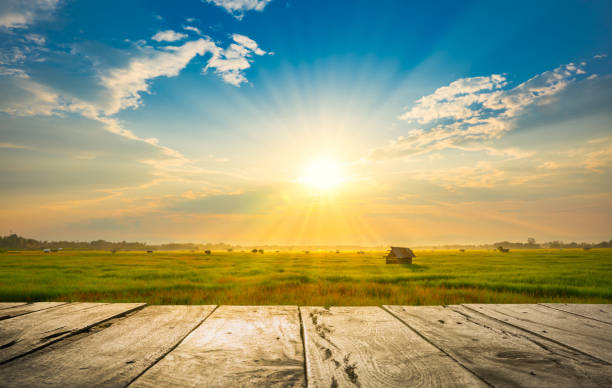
x=322 y=173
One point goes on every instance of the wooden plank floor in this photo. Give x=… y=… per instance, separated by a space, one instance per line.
x=130 y=344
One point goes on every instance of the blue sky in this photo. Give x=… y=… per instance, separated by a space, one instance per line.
x=198 y=120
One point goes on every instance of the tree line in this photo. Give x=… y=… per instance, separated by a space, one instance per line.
x=14 y=241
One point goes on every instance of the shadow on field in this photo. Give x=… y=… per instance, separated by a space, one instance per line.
x=415 y=267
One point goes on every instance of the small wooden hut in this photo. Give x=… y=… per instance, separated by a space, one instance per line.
x=400 y=255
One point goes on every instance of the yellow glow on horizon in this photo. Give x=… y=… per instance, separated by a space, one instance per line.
x=322 y=173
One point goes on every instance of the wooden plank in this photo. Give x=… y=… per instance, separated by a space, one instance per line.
x=112 y=357
x=368 y=347
x=29 y=332
x=599 y=312
x=500 y=354
x=237 y=346
x=583 y=334
x=8 y=305
x=27 y=308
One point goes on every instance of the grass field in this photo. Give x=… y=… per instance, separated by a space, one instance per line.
x=318 y=278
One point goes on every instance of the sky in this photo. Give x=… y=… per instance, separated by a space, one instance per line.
x=306 y=122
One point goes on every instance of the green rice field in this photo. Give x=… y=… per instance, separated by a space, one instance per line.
x=317 y=278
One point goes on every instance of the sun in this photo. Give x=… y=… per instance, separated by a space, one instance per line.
x=322 y=173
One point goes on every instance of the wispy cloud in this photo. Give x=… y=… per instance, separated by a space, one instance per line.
x=599 y=159
x=20 y=14
x=238 y=7
x=12 y=146
x=483 y=175
x=168 y=36
x=125 y=85
x=471 y=110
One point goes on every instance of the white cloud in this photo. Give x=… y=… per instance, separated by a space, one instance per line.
x=126 y=84
x=472 y=110
x=193 y=29
x=124 y=87
x=34 y=99
x=230 y=63
x=20 y=13
x=168 y=36
x=238 y=7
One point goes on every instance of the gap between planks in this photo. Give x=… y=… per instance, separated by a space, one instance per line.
x=303 y=335
x=173 y=347
x=548 y=338
x=436 y=346
x=56 y=337
x=551 y=306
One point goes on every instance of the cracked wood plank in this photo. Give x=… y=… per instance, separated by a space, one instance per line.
x=8 y=305
x=599 y=312
x=111 y=357
x=26 y=308
x=368 y=347
x=29 y=332
x=237 y=346
x=583 y=334
x=500 y=354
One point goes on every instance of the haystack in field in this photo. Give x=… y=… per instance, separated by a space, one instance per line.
x=400 y=255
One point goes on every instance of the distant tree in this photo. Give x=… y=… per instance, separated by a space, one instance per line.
x=531 y=241
x=229 y=249
x=254 y=250
x=207 y=252
x=261 y=251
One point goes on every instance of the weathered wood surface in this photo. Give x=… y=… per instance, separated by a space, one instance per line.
x=111 y=357
x=502 y=355
x=586 y=335
x=7 y=305
x=599 y=312
x=93 y=344
x=26 y=333
x=368 y=347
x=237 y=346
x=24 y=308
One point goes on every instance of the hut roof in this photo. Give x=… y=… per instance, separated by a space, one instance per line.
x=401 y=252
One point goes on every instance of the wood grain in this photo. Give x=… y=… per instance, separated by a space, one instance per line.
x=583 y=334
x=26 y=308
x=599 y=312
x=26 y=333
x=500 y=354
x=111 y=357
x=368 y=347
x=237 y=346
